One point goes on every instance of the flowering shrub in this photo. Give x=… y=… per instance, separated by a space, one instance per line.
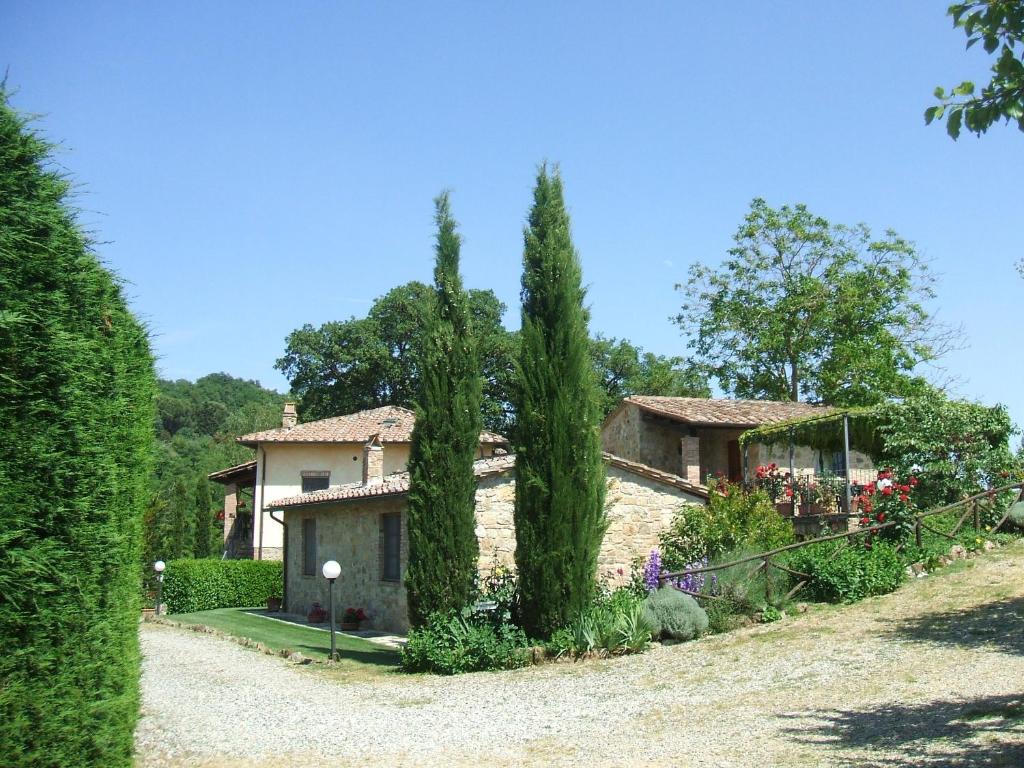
x=733 y=518
x=888 y=500
x=845 y=573
x=771 y=481
x=354 y=616
x=653 y=574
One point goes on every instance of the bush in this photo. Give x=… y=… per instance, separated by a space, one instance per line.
x=202 y=585
x=740 y=592
x=733 y=518
x=449 y=645
x=674 y=615
x=614 y=624
x=845 y=573
x=76 y=404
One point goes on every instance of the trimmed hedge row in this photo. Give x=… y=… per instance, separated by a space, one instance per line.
x=76 y=404
x=202 y=585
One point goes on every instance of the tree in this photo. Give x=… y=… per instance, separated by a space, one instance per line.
x=204 y=546
x=560 y=482
x=623 y=370
x=181 y=520
x=342 y=367
x=997 y=24
x=76 y=404
x=443 y=548
x=805 y=309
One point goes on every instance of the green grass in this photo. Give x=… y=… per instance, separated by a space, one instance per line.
x=278 y=635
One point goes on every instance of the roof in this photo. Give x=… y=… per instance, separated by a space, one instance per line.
x=398 y=483
x=725 y=413
x=389 y=424
x=244 y=471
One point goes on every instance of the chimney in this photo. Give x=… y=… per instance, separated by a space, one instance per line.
x=691 y=459
x=373 y=462
x=289 y=418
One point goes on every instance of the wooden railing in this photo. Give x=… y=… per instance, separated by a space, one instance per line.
x=764 y=559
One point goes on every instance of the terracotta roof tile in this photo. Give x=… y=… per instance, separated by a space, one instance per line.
x=737 y=413
x=390 y=423
x=398 y=483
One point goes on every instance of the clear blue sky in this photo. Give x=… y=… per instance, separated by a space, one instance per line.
x=252 y=167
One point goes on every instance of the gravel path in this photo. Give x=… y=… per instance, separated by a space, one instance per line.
x=931 y=675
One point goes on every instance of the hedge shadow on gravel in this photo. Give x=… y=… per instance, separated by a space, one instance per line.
x=983 y=732
x=998 y=624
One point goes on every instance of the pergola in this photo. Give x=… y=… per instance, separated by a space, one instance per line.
x=838 y=430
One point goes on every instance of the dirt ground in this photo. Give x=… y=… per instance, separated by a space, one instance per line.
x=932 y=675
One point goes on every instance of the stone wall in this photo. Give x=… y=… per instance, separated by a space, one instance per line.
x=350 y=534
x=639 y=510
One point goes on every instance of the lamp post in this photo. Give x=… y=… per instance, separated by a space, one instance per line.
x=159 y=566
x=331 y=571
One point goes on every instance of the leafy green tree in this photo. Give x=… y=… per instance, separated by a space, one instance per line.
x=623 y=370
x=204 y=546
x=997 y=25
x=560 y=482
x=806 y=309
x=76 y=404
x=342 y=367
x=443 y=548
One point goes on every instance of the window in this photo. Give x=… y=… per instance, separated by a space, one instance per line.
x=309 y=546
x=315 y=481
x=391 y=546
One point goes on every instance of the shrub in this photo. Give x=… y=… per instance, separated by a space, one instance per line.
x=451 y=644
x=743 y=591
x=845 y=573
x=76 y=404
x=674 y=615
x=733 y=518
x=615 y=623
x=202 y=585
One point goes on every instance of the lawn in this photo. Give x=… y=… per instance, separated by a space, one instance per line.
x=277 y=635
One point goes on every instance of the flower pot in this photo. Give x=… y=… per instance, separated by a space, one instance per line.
x=349 y=626
x=274 y=604
x=316 y=615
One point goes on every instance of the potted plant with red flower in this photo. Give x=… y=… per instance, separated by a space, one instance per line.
x=317 y=614
x=352 y=618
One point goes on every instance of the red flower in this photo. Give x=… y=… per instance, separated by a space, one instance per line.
x=904 y=498
x=913 y=481
x=887 y=491
x=772 y=467
x=881 y=517
x=864 y=521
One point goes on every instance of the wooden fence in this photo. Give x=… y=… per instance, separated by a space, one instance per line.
x=764 y=559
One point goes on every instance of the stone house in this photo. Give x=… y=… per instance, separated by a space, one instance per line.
x=363 y=526
x=697 y=438
x=302 y=458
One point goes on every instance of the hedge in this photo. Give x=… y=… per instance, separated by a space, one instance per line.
x=76 y=403
x=202 y=585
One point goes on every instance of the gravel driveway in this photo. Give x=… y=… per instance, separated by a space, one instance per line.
x=932 y=675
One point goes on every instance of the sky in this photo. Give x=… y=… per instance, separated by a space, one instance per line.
x=251 y=167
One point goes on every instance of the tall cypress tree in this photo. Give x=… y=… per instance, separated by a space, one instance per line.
x=76 y=413
x=560 y=481
x=443 y=548
x=203 y=519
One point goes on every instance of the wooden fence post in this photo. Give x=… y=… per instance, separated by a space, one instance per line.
x=977 y=516
x=917 y=532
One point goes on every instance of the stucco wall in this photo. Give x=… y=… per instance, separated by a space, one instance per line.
x=350 y=534
x=285 y=463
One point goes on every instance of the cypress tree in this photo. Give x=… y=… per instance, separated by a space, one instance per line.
x=203 y=519
x=443 y=548
x=76 y=414
x=560 y=480
x=181 y=521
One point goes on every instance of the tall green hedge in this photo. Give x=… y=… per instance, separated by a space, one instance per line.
x=76 y=416
x=202 y=585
